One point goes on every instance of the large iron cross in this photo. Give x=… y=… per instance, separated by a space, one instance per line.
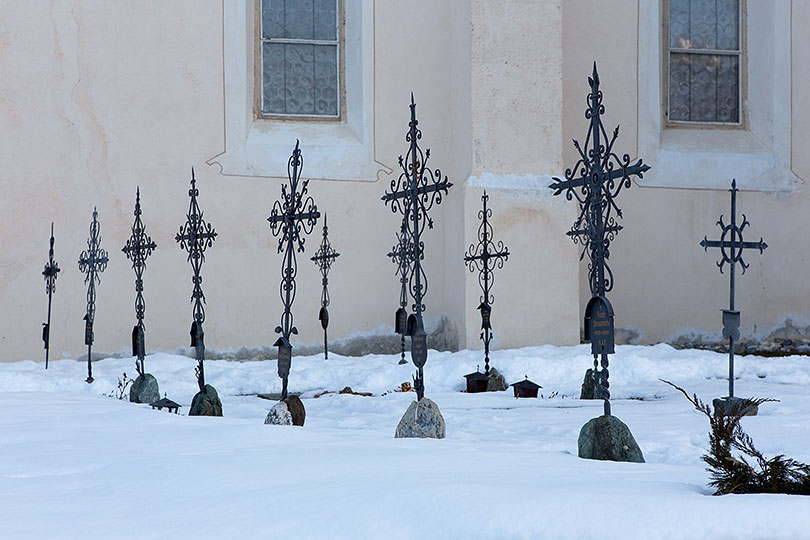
x=413 y=194
x=137 y=249
x=323 y=259
x=50 y=273
x=731 y=246
x=402 y=256
x=595 y=181
x=292 y=217
x=484 y=257
x=92 y=262
x=195 y=236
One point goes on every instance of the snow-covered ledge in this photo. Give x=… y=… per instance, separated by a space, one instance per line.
x=261 y=147
x=759 y=156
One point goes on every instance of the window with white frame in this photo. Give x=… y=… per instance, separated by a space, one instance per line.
x=705 y=61
x=300 y=58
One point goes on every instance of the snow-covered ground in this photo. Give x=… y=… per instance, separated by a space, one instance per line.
x=77 y=464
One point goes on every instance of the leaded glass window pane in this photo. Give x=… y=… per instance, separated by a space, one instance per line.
x=704 y=61
x=300 y=58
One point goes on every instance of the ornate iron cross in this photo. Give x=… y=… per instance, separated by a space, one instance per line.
x=402 y=255
x=484 y=257
x=601 y=176
x=50 y=273
x=92 y=262
x=195 y=236
x=137 y=249
x=323 y=259
x=413 y=194
x=292 y=217
x=731 y=246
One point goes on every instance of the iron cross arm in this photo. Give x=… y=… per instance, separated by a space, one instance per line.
x=706 y=244
x=486 y=255
x=638 y=168
x=421 y=190
x=278 y=218
x=584 y=232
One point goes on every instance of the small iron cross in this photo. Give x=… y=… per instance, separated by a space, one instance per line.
x=50 y=274
x=323 y=259
x=602 y=175
x=137 y=249
x=484 y=257
x=402 y=255
x=292 y=217
x=731 y=246
x=413 y=194
x=92 y=262
x=195 y=236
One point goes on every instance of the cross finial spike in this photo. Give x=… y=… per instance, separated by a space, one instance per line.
x=296 y=144
x=595 y=73
x=51 y=228
x=412 y=102
x=733 y=183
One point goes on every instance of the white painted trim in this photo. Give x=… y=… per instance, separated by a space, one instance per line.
x=261 y=146
x=758 y=157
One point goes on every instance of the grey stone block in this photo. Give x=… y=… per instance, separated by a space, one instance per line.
x=423 y=419
x=608 y=438
x=206 y=403
x=144 y=389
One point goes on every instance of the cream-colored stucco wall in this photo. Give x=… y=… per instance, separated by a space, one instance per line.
x=98 y=97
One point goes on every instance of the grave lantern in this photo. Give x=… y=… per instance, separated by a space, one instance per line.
x=476 y=382
x=525 y=388
x=170 y=405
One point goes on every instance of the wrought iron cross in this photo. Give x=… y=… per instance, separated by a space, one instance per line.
x=50 y=273
x=137 y=249
x=731 y=246
x=595 y=181
x=402 y=255
x=195 y=236
x=292 y=217
x=92 y=262
x=323 y=259
x=484 y=257
x=413 y=194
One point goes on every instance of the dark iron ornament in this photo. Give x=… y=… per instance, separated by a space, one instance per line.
x=195 y=236
x=50 y=273
x=137 y=249
x=413 y=194
x=484 y=257
x=595 y=181
x=92 y=262
x=731 y=246
x=293 y=216
x=402 y=255
x=323 y=259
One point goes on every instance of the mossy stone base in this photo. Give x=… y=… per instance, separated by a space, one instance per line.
x=206 y=403
x=144 y=390
x=608 y=438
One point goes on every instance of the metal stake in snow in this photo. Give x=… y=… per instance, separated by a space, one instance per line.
x=731 y=247
x=92 y=262
x=485 y=256
x=602 y=175
x=138 y=247
x=292 y=215
x=195 y=236
x=323 y=259
x=50 y=273
x=413 y=194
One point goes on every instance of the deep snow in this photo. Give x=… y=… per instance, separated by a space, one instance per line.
x=77 y=464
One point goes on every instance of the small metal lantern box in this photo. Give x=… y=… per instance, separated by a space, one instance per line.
x=170 y=405
x=476 y=382
x=525 y=388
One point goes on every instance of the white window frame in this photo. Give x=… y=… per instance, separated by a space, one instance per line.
x=260 y=147
x=693 y=157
